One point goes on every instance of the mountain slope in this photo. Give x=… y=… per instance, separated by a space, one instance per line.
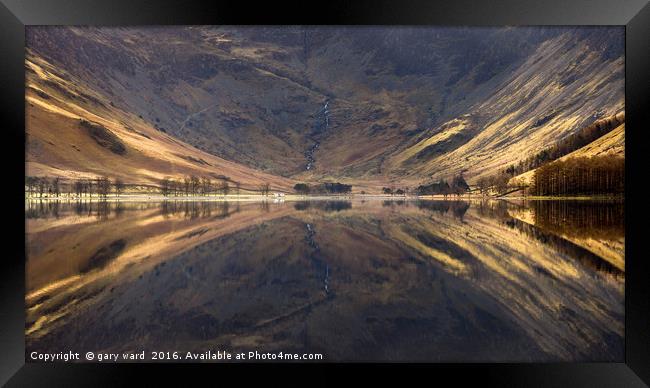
x=74 y=133
x=562 y=87
x=612 y=143
x=403 y=105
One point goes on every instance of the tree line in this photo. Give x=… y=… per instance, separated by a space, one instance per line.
x=394 y=191
x=497 y=182
x=323 y=188
x=502 y=182
x=192 y=185
x=55 y=187
x=103 y=186
x=597 y=175
x=458 y=186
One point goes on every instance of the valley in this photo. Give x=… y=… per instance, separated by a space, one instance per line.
x=368 y=193
x=368 y=106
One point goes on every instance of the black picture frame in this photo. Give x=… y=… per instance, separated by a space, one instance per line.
x=634 y=14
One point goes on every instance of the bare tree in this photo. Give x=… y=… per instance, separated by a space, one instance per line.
x=42 y=183
x=264 y=188
x=103 y=186
x=206 y=186
x=186 y=185
x=220 y=187
x=171 y=188
x=30 y=183
x=177 y=187
x=119 y=186
x=194 y=184
x=225 y=188
x=56 y=187
x=78 y=188
x=458 y=185
x=501 y=182
x=88 y=187
x=482 y=184
x=165 y=186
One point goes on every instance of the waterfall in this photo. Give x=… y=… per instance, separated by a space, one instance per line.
x=320 y=125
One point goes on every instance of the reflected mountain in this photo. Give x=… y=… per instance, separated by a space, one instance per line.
x=410 y=280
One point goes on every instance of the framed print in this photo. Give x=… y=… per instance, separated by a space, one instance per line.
x=446 y=188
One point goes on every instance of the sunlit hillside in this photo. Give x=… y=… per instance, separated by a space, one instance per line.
x=613 y=143
x=74 y=132
x=368 y=106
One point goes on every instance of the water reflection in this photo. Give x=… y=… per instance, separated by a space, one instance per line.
x=195 y=210
x=323 y=205
x=457 y=208
x=396 y=280
x=578 y=218
x=596 y=226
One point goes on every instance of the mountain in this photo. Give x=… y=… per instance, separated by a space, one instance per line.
x=364 y=105
x=75 y=133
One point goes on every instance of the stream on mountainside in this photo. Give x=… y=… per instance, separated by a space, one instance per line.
x=321 y=124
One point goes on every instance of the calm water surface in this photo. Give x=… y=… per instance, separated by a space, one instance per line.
x=397 y=280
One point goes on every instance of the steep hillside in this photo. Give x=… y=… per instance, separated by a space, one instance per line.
x=72 y=133
x=369 y=105
x=613 y=143
x=561 y=88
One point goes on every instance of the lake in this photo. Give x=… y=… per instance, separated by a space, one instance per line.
x=439 y=281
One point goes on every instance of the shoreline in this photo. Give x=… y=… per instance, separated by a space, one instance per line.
x=568 y=198
x=294 y=198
